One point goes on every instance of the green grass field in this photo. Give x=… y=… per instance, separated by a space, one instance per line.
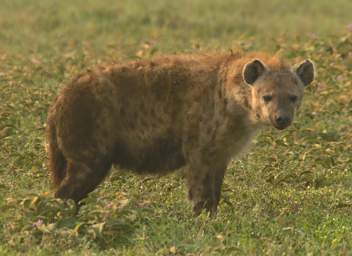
x=290 y=195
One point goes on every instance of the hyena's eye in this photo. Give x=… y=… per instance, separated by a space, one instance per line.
x=267 y=98
x=293 y=98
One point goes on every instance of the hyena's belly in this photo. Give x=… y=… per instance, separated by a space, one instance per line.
x=160 y=156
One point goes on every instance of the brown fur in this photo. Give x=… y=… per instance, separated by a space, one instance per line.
x=157 y=116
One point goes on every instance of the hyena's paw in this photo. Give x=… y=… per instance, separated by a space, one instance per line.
x=203 y=201
x=208 y=205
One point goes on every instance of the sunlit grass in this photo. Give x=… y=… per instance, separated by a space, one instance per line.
x=291 y=194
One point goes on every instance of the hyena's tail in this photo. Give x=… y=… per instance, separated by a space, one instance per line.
x=57 y=161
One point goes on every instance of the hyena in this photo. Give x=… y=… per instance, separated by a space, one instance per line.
x=156 y=116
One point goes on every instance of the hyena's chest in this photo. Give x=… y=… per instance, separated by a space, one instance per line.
x=233 y=135
x=241 y=135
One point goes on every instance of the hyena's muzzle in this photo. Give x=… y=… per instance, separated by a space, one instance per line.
x=281 y=120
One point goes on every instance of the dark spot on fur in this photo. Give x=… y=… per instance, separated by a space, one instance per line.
x=217 y=124
x=132 y=124
x=209 y=129
x=104 y=133
x=153 y=113
x=220 y=93
x=143 y=122
x=122 y=112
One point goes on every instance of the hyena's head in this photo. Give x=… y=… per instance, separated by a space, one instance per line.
x=277 y=92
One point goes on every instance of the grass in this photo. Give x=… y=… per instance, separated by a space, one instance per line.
x=290 y=195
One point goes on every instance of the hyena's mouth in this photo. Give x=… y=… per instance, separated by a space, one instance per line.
x=281 y=127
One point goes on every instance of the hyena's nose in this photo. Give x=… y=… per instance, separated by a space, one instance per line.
x=282 y=122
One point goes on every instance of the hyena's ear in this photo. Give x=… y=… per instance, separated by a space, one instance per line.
x=305 y=71
x=252 y=71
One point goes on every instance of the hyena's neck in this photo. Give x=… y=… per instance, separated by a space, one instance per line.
x=236 y=96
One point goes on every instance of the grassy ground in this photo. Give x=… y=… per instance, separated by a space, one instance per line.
x=290 y=195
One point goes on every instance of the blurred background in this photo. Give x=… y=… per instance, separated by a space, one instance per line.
x=29 y=26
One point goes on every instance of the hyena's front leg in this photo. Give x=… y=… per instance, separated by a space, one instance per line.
x=204 y=185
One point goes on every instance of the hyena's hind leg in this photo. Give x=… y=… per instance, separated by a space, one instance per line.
x=82 y=178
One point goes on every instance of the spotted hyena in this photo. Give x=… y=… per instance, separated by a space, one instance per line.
x=156 y=116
